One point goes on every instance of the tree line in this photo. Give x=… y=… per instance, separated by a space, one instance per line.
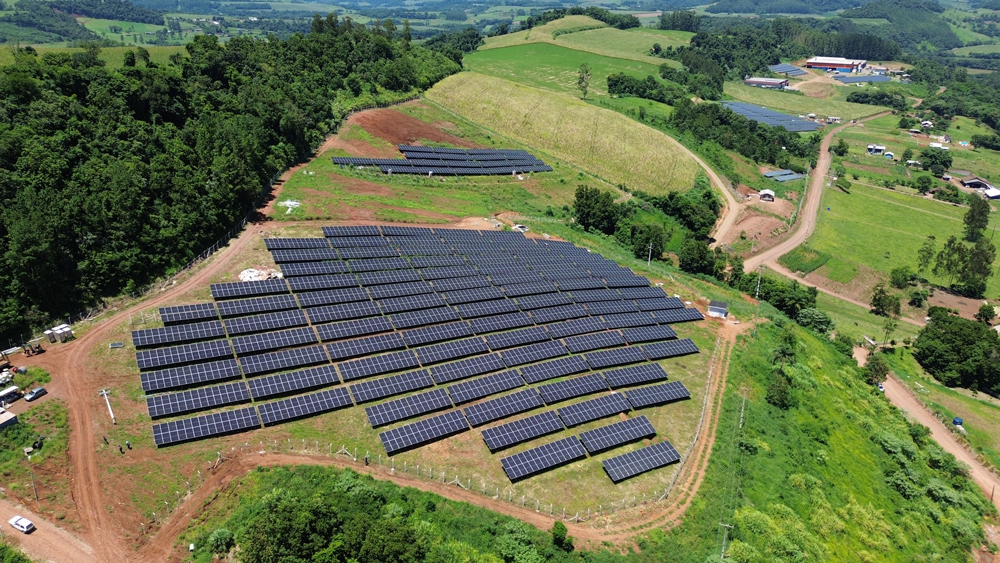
x=109 y=179
x=620 y=21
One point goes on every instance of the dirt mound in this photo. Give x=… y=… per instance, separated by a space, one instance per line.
x=401 y=129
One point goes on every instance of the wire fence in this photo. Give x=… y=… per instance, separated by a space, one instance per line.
x=162 y=284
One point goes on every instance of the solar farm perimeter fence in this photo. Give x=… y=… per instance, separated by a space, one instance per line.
x=120 y=301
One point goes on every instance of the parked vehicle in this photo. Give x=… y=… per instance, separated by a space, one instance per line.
x=34 y=394
x=22 y=524
x=881 y=387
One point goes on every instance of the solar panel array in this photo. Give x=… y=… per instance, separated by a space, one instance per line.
x=771 y=117
x=409 y=321
x=451 y=162
x=785 y=68
x=640 y=461
x=857 y=78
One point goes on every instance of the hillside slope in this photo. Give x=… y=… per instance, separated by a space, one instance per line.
x=603 y=142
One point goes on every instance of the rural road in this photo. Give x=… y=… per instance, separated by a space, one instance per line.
x=810 y=208
x=898 y=394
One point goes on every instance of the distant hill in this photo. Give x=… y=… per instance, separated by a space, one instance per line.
x=122 y=10
x=911 y=22
x=781 y=6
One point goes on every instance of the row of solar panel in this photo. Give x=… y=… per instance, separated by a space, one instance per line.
x=445 y=150
x=403 y=313
x=448 y=171
x=771 y=117
x=242 y=317
x=478 y=162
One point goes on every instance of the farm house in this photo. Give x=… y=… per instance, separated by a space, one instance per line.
x=772 y=83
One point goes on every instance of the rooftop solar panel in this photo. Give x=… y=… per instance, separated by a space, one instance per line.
x=377 y=365
x=543 y=458
x=669 y=349
x=484 y=386
x=466 y=368
x=653 y=395
x=172 y=404
x=512 y=433
x=215 y=424
x=367 y=391
x=189 y=376
x=407 y=407
x=617 y=434
x=292 y=382
x=423 y=432
x=640 y=461
x=575 y=387
x=303 y=405
x=594 y=409
x=502 y=407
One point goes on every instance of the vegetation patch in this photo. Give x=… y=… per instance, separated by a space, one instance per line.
x=804 y=259
x=797 y=105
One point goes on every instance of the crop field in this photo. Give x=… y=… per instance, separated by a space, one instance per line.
x=633 y=44
x=798 y=105
x=552 y=67
x=114 y=57
x=902 y=223
x=602 y=142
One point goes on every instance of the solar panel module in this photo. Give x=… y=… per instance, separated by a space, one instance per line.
x=512 y=433
x=658 y=394
x=423 y=432
x=543 y=458
x=617 y=434
x=640 y=461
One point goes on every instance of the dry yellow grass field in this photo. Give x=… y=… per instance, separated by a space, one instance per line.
x=605 y=143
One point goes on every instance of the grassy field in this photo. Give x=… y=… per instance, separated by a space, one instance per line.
x=977 y=49
x=980 y=414
x=102 y=27
x=555 y=68
x=633 y=44
x=902 y=222
x=113 y=57
x=796 y=104
x=856 y=321
x=605 y=143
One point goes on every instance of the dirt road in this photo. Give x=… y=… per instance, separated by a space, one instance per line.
x=48 y=542
x=899 y=395
x=810 y=207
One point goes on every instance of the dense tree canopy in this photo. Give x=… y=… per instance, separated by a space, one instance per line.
x=111 y=178
x=959 y=352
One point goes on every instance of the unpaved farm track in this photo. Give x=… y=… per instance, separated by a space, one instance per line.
x=106 y=537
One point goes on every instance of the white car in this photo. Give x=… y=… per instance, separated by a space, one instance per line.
x=520 y=228
x=22 y=524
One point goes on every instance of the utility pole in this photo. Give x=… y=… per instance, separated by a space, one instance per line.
x=33 y=488
x=649 y=256
x=725 y=537
x=760 y=275
x=106 y=393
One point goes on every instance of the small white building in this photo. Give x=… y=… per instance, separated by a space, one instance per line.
x=913 y=163
x=833 y=120
x=991 y=193
x=927 y=124
x=718 y=309
x=877 y=150
x=767 y=195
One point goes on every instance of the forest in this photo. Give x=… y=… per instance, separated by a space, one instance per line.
x=109 y=179
x=959 y=352
x=109 y=10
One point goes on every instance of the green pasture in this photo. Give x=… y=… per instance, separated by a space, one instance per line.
x=797 y=104
x=964 y=51
x=103 y=27
x=882 y=229
x=856 y=321
x=551 y=67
